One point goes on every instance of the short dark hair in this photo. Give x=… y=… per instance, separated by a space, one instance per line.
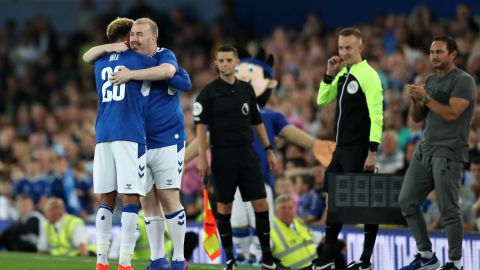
x=451 y=43
x=351 y=31
x=23 y=196
x=228 y=48
x=119 y=29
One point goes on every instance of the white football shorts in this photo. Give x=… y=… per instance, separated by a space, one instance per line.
x=120 y=166
x=243 y=214
x=165 y=166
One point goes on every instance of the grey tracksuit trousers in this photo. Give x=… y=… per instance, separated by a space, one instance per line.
x=424 y=174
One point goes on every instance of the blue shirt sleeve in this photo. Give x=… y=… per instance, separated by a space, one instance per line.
x=167 y=56
x=181 y=81
x=279 y=123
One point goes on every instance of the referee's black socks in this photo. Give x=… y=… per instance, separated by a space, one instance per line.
x=262 y=224
x=331 y=234
x=370 y=233
x=225 y=228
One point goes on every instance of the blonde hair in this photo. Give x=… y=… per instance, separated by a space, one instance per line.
x=351 y=31
x=119 y=28
x=153 y=25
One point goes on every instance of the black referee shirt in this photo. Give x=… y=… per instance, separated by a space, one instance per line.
x=229 y=110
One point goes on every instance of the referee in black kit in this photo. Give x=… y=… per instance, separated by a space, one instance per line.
x=229 y=107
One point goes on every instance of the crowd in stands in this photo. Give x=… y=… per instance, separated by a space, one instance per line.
x=48 y=100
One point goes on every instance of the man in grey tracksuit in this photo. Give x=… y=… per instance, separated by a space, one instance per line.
x=446 y=101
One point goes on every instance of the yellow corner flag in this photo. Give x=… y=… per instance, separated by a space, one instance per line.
x=211 y=243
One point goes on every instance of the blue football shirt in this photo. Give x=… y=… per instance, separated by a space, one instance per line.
x=164 y=122
x=121 y=108
x=274 y=123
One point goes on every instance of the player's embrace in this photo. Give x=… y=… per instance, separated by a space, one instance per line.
x=120 y=153
x=165 y=137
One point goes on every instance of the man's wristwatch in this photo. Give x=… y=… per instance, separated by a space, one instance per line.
x=269 y=147
x=426 y=99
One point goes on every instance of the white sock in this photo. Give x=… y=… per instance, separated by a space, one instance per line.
x=176 y=228
x=241 y=241
x=457 y=263
x=426 y=254
x=255 y=248
x=156 y=234
x=103 y=227
x=128 y=234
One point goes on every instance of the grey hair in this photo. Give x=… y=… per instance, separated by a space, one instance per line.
x=153 y=25
x=283 y=198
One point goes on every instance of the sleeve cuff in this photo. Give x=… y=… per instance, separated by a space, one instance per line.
x=373 y=146
x=198 y=121
x=328 y=79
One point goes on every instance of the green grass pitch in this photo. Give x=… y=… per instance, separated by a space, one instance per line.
x=33 y=261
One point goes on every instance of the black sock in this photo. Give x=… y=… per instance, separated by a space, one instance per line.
x=331 y=235
x=370 y=234
x=225 y=228
x=262 y=224
x=191 y=243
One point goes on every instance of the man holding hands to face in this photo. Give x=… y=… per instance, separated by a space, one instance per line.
x=356 y=87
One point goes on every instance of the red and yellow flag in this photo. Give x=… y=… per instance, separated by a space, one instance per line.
x=211 y=242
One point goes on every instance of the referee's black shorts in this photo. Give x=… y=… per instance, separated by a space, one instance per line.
x=346 y=159
x=237 y=166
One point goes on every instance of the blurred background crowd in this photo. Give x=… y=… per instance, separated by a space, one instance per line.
x=48 y=100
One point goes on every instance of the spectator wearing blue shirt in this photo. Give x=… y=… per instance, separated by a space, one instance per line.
x=312 y=205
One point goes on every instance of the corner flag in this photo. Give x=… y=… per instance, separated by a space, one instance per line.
x=211 y=242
